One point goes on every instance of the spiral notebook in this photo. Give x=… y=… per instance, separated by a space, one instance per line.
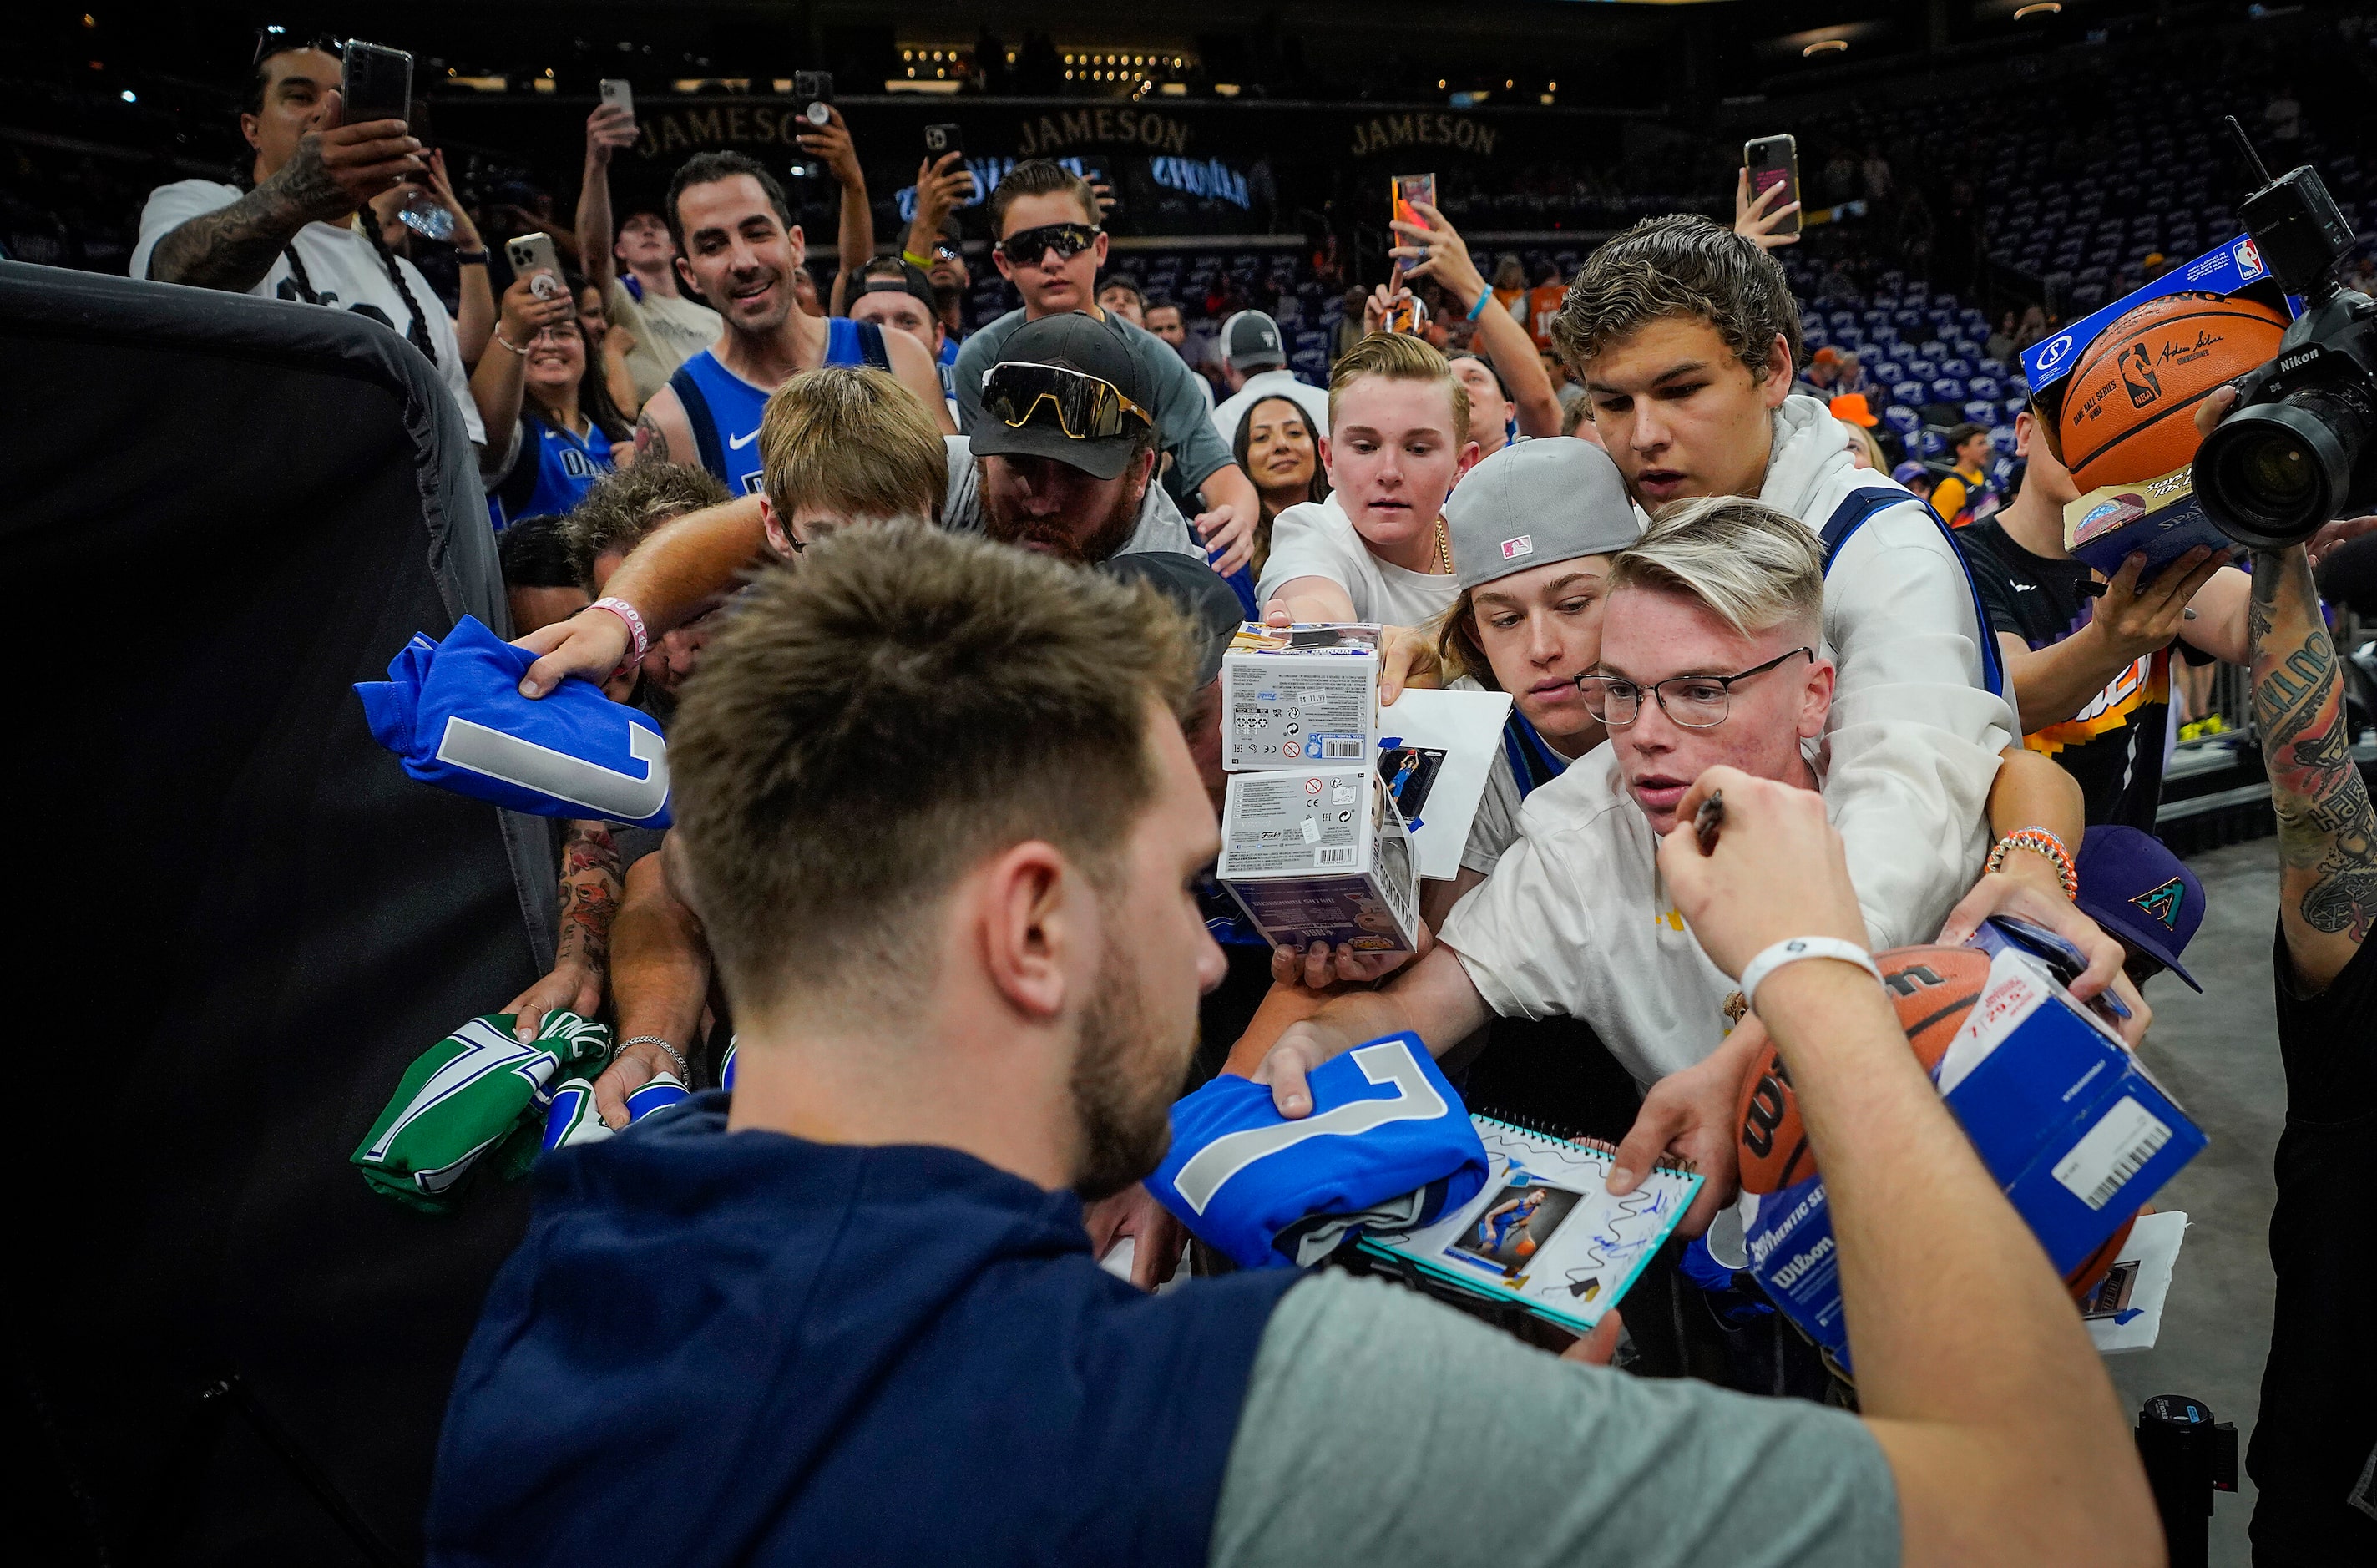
x=1545 y=1234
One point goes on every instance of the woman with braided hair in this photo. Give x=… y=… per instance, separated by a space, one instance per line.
x=298 y=231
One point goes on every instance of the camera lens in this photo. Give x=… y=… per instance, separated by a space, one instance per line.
x=2272 y=474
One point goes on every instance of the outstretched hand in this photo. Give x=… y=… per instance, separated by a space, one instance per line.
x=1690 y=1116
x=591 y=645
x=1755 y=221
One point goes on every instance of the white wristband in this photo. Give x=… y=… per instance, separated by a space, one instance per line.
x=1794 y=948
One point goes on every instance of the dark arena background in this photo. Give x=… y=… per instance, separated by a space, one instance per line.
x=241 y=922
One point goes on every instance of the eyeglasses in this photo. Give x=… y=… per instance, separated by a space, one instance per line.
x=1696 y=702
x=1067 y=240
x=271 y=40
x=561 y=332
x=1087 y=409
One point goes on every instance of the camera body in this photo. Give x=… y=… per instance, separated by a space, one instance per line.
x=2300 y=447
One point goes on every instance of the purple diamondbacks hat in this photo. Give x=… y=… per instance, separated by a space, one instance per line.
x=2138 y=891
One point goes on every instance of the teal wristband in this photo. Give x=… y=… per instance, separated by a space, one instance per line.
x=1482 y=301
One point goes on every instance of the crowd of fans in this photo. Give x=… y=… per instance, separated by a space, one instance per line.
x=964 y=901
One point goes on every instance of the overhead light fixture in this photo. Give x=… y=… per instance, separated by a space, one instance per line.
x=1826 y=46
x=129 y=96
x=2040 y=8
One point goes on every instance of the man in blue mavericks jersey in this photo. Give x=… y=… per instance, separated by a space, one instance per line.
x=850 y=1313
x=741 y=249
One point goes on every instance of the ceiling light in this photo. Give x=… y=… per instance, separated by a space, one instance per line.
x=129 y=96
x=1826 y=46
x=2040 y=8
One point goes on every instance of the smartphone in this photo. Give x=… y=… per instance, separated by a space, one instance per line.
x=532 y=257
x=1775 y=161
x=1405 y=192
x=815 y=91
x=617 y=92
x=942 y=141
x=416 y=120
x=376 y=82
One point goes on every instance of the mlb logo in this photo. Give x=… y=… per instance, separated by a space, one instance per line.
x=1524 y=544
x=2249 y=259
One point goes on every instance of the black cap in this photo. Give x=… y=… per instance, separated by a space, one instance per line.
x=1078 y=341
x=1207 y=603
x=1250 y=340
x=896 y=274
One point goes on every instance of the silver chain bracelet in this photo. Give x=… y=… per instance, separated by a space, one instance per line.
x=684 y=1068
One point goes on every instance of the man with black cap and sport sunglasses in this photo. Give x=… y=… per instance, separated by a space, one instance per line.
x=1048 y=244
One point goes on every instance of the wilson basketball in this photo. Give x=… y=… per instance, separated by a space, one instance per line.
x=1932 y=988
x=2129 y=413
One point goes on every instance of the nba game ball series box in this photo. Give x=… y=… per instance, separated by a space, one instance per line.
x=2071 y=1127
x=1321 y=855
x=1296 y=696
x=2160 y=518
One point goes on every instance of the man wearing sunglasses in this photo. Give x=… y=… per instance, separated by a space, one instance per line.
x=1048 y=244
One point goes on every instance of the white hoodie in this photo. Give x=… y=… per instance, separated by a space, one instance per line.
x=1913 y=741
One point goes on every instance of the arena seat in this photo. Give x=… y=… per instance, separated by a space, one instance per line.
x=263 y=919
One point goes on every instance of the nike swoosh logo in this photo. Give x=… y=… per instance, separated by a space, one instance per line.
x=739 y=444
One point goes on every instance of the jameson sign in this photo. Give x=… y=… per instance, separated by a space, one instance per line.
x=1039 y=135
x=677 y=131
x=1382 y=132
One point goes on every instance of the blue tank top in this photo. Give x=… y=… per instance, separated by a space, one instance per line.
x=724 y=409
x=552 y=473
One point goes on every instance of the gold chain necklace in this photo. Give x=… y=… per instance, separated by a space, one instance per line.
x=1443 y=548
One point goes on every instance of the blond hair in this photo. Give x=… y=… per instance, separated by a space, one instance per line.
x=1399 y=356
x=1756 y=567
x=869 y=727
x=855 y=440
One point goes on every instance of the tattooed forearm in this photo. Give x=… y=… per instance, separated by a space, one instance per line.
x=590 y=894
x=650 y=441
x=233 y=248
x=2327 y=832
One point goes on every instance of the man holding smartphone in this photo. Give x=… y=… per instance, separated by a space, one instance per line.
x=293 y=232
x=636 y=272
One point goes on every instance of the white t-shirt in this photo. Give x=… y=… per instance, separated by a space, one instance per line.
x=1575 y=923
x=346 y=273
x=1273 y=384
x=1317 y=538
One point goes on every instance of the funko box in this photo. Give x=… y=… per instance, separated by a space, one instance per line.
x=1296 y=696
x=2073 y=1130
x=2160 y=517
x=1321 y=855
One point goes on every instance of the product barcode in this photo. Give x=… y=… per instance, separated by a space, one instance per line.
x=2129 y=1165
x=1334 y=856
x=1349 y=746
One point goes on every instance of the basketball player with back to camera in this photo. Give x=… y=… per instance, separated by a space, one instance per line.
x=799 y=1309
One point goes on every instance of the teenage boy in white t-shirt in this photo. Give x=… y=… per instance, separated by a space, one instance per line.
x=293 y=233
x=1377 y=549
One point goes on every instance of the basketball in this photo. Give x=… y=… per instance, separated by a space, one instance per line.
x=1932 y=988
x=2129 y=414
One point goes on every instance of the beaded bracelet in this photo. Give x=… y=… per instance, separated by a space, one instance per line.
x=2038 y=841
x=640 y=639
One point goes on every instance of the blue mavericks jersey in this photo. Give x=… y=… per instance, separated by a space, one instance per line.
x=1384 y=1124
x=724 y=409
x=948 y=363
x=453 y=713
x=552 y=473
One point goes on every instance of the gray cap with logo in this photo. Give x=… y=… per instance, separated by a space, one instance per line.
x=1536 y=502
x=1251 y=340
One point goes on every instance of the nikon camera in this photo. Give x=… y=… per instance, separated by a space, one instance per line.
x=2300 y=447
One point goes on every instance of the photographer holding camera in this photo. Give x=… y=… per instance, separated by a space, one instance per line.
x=294 y=233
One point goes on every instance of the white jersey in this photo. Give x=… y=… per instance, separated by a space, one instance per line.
x=1264 y=384
x=1317 y=538
x=343 y=271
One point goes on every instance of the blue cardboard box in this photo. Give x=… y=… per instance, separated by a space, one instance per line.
x=2075 y=1132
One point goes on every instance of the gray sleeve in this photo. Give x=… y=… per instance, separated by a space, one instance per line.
x=962 y=507
x=1184 y=419
x=975 y=355
x=1382 y=1429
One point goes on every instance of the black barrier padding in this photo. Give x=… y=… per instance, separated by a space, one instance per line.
x=240 y=921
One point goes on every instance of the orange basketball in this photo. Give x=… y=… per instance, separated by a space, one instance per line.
x=2129 y=411
x=1933 y=987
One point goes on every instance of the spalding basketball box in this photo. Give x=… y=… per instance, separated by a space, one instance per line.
x=2116 y=395
x=2069 y=1124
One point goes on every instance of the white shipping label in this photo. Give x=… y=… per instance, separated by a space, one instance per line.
x=2114 y=1150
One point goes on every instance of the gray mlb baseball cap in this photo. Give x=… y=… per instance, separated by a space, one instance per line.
x=1251 y=340
x=1536 y=502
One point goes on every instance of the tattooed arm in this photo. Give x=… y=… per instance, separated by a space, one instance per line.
x=590 y=898
x=2327 y=834
x=663 y=432
x=331 y=173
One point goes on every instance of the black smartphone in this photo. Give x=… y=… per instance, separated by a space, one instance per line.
x=942 y=141
x=1775 y=161
x=376 y=82
x=416 y=121
x=814 y=91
